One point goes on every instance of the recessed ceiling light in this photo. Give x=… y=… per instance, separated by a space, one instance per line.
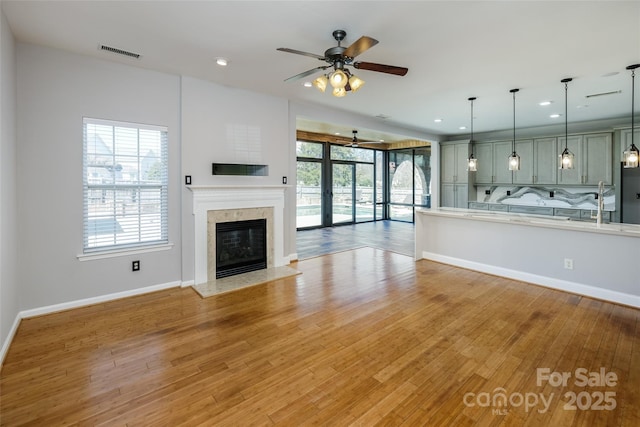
x=381 y=140
x=554 y=116
x=437 y=120
x=544 y=103
x=462 y=127
x=223 y=62
x=307 y=84
x=337 y=133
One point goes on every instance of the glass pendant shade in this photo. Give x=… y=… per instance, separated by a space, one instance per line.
x=514 y=162
x=338 y=79
x=339 y=92
x=472 y=164
x=631 y=157
x=321 y=83
x=566 y=159
x=355 y=83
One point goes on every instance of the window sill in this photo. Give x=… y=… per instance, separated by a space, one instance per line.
x=124 y=252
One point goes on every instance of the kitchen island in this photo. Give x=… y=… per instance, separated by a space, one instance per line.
x=597 y=260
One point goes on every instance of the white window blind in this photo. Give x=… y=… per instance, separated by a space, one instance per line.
x=125 y=185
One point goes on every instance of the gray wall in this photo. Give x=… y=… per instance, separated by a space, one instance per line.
x=9 y=298
x=55 y=90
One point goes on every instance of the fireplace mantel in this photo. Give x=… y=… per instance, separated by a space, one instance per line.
x=222 y=197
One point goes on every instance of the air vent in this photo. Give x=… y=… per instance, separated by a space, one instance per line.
x=119 y=51
x=382 y=116
x=603 y=94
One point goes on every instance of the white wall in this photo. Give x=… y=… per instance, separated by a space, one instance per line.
x=55 y=90
x=226 y=125
x=9 y=297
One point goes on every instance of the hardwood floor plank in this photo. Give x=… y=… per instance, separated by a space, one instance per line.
x=363 y=337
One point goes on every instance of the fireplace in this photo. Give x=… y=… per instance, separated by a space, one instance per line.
x=216 y=204
x=241 y=246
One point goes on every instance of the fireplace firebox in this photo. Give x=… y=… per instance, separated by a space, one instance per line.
x=241 y=246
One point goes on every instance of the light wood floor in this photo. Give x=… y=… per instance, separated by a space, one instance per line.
x=363 y=337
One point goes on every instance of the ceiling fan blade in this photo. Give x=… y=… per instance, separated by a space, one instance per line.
x=381 y=68
x=307 y=73
x=299 y=52
x=359 y=46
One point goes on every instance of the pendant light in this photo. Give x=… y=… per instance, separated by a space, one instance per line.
x=514 y=159
x=631 y=154
x=472 y=162
x=566 y=158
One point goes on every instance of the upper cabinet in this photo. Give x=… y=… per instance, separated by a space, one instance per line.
x=453 y=164
x=593 y=159
x=492 y=163
x=525 y=174
x=545 y=161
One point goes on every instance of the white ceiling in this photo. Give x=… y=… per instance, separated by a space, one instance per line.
x=453 y=49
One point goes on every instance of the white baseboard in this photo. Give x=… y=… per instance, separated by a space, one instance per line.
x=9 y=339
x=75 y=304
x=549 y=282
x=95 y=300
x=188 y=283
x=291 y=257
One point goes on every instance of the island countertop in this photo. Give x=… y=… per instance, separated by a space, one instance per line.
x=557 y=222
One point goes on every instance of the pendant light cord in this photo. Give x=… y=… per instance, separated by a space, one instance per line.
x=566 y=118
x=513 y=143
x=633 y=91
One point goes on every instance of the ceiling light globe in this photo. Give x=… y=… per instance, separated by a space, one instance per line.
x=339 y=92
x=321 y=83
x=355 y=83
x=338 y=79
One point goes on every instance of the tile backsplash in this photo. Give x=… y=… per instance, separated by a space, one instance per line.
x=563 y=197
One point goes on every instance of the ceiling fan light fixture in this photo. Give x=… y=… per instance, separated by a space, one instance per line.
x=321 y=83
x=356 y=83
x=338 y=79
x=339 y=92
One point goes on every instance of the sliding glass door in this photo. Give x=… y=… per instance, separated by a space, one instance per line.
x=343 y=193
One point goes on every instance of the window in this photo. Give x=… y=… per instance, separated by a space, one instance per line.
x=125 y=185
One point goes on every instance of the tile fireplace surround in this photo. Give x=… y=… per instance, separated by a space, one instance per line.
x=221 y=203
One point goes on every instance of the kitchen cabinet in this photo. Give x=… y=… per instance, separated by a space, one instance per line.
x=454 y=195
x=592 y=159
x=484 y=154
x=524 y=148
x=531 y=210
x=492 y=163
x=454 y=163
x=545 y=161
x=454 y=177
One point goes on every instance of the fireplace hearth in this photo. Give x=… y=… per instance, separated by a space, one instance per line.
x=241 y=247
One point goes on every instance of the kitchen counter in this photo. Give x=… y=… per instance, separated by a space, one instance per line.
x=581 y=257
x=558 y=222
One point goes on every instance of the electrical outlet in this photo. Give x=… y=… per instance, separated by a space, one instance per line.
x=135 y=265
x=187 y=180
x=487 y=192
x=508 y=192
x=551 y=194
x=568 y=263
x=284 y=179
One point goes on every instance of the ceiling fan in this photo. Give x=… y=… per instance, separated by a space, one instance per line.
x=338 y=57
